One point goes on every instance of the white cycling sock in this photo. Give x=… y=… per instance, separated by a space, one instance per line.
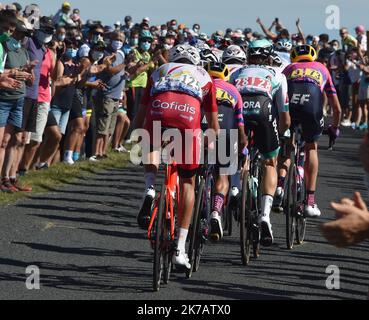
x=150 y=178
x=266 y=205
x=182 y=239
x=68 y=154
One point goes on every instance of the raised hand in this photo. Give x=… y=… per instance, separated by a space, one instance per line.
x=352 y=224
x=9 y=83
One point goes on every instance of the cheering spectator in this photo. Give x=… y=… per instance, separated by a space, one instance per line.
x=36 y=47
x=348 y=41
x=11 y=106
x=107 y=100
x=138 y=65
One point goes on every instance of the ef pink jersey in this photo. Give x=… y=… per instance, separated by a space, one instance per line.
x=313 y=72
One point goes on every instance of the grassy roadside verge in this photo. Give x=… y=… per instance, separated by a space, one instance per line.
x=60 y=174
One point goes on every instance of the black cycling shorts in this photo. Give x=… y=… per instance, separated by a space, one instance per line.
x=259 y=109
x=227 y=122
x=306 y=108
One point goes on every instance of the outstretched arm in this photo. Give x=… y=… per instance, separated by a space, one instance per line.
x=301 y=34
x=271 y=35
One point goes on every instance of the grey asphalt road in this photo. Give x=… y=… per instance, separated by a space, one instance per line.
x=84 y=240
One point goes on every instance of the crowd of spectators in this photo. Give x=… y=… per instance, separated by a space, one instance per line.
x=70 y=88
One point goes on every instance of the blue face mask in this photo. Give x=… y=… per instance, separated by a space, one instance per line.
x=134 y=41
x=13 y=44
x=71 y=53
x=145 y=46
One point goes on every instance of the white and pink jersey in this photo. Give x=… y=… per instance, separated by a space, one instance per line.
x=179 y=77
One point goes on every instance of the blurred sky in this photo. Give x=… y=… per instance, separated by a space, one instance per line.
x=213 y=15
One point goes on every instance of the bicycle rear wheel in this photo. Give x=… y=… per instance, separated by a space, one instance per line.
x=195 y=235
x=245 y=216
x=301 y=220
x=290 y=205
x=158 y=247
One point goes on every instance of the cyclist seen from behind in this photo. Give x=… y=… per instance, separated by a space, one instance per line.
x=230 y=117
x=265 y=102
x=176 y=93
x=307 y=81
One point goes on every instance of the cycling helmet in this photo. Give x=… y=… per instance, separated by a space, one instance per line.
x=186 y=52
x=277 y=61
x=304 y=52
x=203 y=36
x=261 y=47
x=201 y=46
x=218 y=70
x=234 y=52
x=283 y=45
x=208 y=56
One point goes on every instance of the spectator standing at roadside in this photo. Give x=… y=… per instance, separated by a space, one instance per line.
x=43 y=108
x=127 y=27
x=7 y=27
x=11 y=106
x=138 y=65
x=65 y=77
x=36 y=48
x=107 y=100
x=348 y=41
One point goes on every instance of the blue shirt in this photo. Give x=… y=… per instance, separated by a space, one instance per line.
x=115 y=83
x=36 y=51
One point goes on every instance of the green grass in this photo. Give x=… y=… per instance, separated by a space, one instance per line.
x=60 y=174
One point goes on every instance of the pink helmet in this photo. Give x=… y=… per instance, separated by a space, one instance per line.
x=360 y=29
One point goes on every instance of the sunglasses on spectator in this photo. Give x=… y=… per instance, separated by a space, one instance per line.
x=146 y=40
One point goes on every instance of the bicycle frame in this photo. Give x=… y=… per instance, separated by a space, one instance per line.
x=172 y=187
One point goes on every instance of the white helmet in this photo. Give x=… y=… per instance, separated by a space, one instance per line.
x=201 y=46
x=234 y=52
x=184 y=51
x=283 y=45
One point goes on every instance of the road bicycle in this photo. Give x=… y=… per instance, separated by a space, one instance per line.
x=250 y=200
x=161 y=231
x=294 y=198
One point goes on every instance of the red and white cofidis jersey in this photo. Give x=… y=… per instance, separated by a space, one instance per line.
x=176 y=93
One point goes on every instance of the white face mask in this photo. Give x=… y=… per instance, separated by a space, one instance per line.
x=168 y=46
x=116 y=45
x=97 y=55
x=44 y=37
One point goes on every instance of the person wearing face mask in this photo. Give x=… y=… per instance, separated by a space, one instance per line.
x=107 y=100
x=95 y=34
x=127 y=27
x=138 y=66
x=196 y=28
x=82 y=109
x=77 y=125
x=131 y=43
x=36 y=48
x=59 y=37
x=11 y=107
x=7 y=27
x=66 y=76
